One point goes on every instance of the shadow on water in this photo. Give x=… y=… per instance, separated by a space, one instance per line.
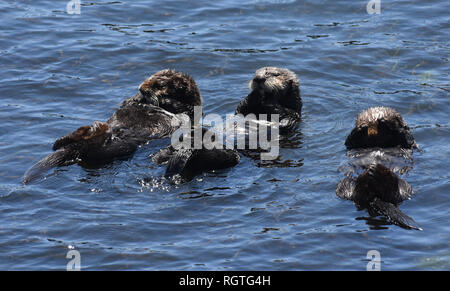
x=376 y=222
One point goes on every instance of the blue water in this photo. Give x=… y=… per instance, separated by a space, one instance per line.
x=61 y=71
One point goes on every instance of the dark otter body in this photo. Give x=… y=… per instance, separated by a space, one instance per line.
x=140 y=119
x=379 y=191
x=186 y=163
x=274 y=91
x=380 y=127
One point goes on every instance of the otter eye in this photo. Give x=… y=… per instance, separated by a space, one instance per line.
x=275 y=74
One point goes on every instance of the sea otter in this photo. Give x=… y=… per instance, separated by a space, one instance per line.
x=379 y=191
x=148 y=115
x=274 y=91
x=380 y=127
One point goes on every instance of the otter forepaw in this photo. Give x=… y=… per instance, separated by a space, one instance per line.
x=83 y=133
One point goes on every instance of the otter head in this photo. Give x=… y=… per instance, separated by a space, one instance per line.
x=380 y=127
x=277 y=86
x=173 y=91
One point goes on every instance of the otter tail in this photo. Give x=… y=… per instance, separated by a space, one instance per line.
x=57 y=158
x=394 y=214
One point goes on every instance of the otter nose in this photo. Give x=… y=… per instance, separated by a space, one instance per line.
x=259 y=80
x=372 y=130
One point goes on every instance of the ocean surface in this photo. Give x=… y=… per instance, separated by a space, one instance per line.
x=60 y=71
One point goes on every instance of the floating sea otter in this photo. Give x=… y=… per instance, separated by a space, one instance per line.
x=379 y=189
x=381 y=136
x=274 y=91
x=148 y=115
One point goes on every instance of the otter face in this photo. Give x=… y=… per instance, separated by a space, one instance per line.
x=277 y=86
x=380 y=127
x=376 y=117
x=273 y=80
x=171 y=90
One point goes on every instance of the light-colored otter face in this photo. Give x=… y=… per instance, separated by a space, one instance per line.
x=380 y=127
x=373 y=117
x=274 y=81
x=171 y=90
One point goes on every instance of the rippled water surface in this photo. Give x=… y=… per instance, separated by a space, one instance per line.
x=62 y=71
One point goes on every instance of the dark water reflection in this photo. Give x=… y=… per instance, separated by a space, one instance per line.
x=61 y=71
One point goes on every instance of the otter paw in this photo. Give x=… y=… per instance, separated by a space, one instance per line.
x=82 y=134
